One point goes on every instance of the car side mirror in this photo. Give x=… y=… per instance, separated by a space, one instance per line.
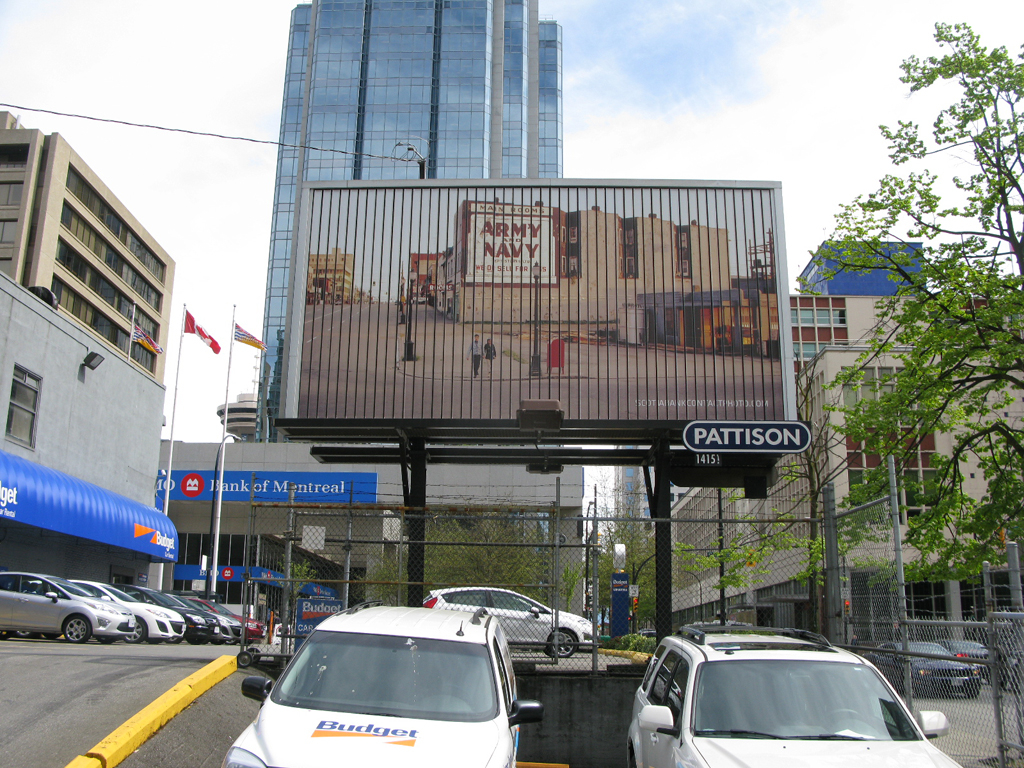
x=934 y=724
x=525 y=711
x=535 y=611
x=257 y=687
x=53 y=596
x=654 y=717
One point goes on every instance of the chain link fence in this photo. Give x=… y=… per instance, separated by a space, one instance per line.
x=523 y=565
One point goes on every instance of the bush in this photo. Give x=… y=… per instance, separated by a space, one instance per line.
x=637 y=643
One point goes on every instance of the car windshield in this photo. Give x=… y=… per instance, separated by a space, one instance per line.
x=812 y=700
x=161 y=599
x=935 y=648
x=210 y=606
x=91 y=590
x=965 y=646
x=121 y=595
x=71 y=589
x=390 y=675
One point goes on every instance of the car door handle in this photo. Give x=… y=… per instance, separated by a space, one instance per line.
x=654 y=737
x=22 y=599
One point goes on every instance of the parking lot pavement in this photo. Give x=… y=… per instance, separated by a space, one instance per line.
x=58 y=700
x=200 y=735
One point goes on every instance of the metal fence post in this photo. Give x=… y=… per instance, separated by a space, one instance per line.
x=997 y=687
x=901 y=584
x=833 y=587
x=1013 y=564
x=286 y=607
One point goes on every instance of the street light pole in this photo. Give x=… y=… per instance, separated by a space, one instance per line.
x=535 y=357
x=218 y=495
x=410 y=344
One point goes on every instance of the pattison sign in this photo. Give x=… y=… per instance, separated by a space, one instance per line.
x=747 y=436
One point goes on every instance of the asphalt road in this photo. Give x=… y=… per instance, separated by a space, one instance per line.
x=59 y=699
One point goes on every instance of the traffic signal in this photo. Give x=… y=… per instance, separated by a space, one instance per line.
x=636 y=604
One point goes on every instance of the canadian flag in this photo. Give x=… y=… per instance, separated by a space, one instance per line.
x=192 y=327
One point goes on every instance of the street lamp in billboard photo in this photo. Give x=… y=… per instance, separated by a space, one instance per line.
x=535 y=357
x=410 y=301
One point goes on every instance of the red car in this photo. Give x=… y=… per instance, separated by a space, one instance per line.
x=254 y=630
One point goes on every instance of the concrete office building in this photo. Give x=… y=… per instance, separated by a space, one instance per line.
x=79 y=455
x=323 y=493
x=473 y=86
x=62 y=230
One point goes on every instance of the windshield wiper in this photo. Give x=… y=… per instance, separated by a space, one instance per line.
x=833 y=737
x=736 y=732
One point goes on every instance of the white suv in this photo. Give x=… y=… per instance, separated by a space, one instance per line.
x=524 y=619
x=772 y=697
x=390 y=687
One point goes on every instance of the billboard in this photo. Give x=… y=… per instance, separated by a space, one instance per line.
x=646 y=302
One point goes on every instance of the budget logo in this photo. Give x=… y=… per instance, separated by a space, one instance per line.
x=397 y=736
x=158 y=539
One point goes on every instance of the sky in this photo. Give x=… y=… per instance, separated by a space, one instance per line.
x=780 y=90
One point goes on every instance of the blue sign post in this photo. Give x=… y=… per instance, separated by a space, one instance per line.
x=620 y=604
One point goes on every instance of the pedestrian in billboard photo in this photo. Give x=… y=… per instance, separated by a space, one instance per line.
x=474 y=352
x=490 y=352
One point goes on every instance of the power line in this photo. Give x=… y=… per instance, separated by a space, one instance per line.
x=211 y=135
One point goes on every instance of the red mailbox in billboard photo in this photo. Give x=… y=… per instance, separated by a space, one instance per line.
x=631 y=301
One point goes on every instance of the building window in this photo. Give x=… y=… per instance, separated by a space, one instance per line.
x=21 y=414
x=10 y=194
x=8 y=229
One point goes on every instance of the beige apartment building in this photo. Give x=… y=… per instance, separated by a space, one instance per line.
x=829 y=332
x=65 y=236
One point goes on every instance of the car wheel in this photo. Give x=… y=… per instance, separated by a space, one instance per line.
x=175 y=640
x=77 y=629
x=561 y=644
x=141 y=632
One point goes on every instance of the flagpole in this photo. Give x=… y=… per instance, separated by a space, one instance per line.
x=131 y=333
x=170 y=448
x=219 y=489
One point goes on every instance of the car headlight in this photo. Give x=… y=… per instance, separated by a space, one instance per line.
x=162 y=615
x=196 y=619
x=239 y=758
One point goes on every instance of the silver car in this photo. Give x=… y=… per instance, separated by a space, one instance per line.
x=524 y=620
x=36 y=602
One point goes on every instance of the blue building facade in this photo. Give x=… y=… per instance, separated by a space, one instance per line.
x=875 y=283
x=474 y=86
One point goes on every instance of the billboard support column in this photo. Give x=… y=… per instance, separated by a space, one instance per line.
x=662 y=512
x=416 y=503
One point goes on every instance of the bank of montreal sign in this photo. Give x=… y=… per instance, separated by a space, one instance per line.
x=747 y=436
x=310 y=487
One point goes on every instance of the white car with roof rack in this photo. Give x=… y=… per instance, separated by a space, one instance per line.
x=390 y=687
x=772 y=697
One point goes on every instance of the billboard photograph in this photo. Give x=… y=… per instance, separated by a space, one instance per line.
x=457 y=301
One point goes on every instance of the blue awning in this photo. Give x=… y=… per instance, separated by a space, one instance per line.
x=45 y=498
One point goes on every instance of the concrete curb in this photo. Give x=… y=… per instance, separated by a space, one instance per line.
x=134 y=731
x=635 y=656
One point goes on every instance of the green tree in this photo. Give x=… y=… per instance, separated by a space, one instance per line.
x=955 y=328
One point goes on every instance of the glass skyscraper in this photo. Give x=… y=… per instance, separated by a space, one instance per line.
x=475 y=86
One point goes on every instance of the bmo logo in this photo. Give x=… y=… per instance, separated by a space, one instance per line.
x=192 y=485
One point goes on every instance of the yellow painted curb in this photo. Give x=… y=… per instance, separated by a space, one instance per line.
x=134 y=732
x=635 y=656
